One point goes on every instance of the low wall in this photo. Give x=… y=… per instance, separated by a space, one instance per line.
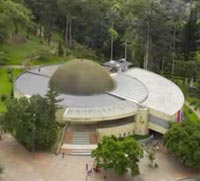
x=118 y=131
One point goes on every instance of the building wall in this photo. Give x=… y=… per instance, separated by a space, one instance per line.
x=162 y=115
x=142 y=123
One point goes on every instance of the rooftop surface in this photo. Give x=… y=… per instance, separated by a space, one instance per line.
x=163 y=94
x=132 y=88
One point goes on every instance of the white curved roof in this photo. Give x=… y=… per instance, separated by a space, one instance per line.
x=163 y=94
x=129 y=88
x=133 y=87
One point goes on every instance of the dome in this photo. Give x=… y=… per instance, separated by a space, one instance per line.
x=81 y=77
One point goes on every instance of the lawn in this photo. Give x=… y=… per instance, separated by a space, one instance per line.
x=5 y=85
x=18 y=52
x=189 y=114
x=51 y=60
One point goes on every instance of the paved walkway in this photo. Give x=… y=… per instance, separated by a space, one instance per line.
x=23 y=166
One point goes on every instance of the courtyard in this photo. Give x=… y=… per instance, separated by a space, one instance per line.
x=21 y=165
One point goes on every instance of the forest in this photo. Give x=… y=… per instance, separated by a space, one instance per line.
x=159 y=35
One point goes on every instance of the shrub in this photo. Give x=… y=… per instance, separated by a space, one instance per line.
x=10 y=77
x=3 y=97
x=42 y=55
x=189 y=111
x=9 y=70
x=82 y=52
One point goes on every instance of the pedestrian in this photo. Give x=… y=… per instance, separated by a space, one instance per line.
x=63 y=155
x=89 y=171
x=104 y=177
x=86 y=166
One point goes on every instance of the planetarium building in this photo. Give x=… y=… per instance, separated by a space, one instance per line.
x=94 y=99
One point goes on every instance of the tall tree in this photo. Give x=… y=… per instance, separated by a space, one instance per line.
x=191 y=36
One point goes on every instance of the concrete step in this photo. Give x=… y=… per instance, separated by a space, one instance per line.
x=81 y=150
x=80 y=154
x=81 y=138
x=81 y=142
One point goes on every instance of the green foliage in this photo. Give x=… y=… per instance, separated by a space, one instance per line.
x=4 y=58
x=113 y=33
x=182 y=139
x=191 y=36
x=6 y=85
x=140 y=137
x=79 y=51
x=32 y=121
x=18 y=52
x=189 y=114
x=60 y=49
x=13 y=17
x=1 y=169
x=119 y=155
x=3 y=97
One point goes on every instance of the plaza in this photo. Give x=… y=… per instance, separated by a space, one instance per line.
x=25 y=166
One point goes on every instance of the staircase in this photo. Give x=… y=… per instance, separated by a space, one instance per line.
x=81 y=138
x=80 y=144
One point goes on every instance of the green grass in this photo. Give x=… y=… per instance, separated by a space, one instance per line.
x=189 y=114
x=51 y=60
x=140 y=137
x=18 y=52
x=5 y=85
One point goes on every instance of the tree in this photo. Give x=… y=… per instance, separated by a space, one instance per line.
x=182 y=139
x=33 y=121
x=13 y=17
x=119 y=155
x=191 y=36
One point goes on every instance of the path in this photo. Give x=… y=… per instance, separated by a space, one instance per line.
x=23 y=166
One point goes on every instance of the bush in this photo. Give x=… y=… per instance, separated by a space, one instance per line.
x=9 y=70
x=82 y=52
x=10 y=77
x=194 y=102
x=3 y=97
x=189 y=111
x=42 y=55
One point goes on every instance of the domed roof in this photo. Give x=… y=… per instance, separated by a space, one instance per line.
x=81 y=77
